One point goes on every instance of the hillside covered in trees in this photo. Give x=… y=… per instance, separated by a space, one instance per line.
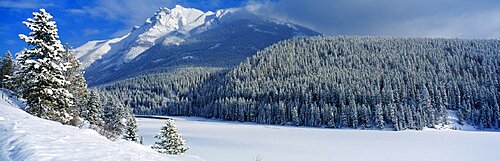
x=338 y=82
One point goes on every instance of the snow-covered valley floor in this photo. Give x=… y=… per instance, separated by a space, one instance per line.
x=216 y=140
x=24 y=137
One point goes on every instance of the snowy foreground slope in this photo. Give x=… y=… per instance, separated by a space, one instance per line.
x=232 y=141
x=25 y=137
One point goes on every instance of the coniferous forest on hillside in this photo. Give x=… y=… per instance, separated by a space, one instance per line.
x=337 y=82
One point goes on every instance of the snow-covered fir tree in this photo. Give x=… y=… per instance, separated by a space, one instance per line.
x=115 y=116
x=77 y=87
x=379 y=117
x=41 y=70
x=131 y=131
x=93 y=111
x=7 y=69
x=170 y=140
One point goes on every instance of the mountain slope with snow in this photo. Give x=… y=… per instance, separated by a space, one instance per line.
x=25 y=137
x=165 y=23
x=174 y=36
x=93 y=50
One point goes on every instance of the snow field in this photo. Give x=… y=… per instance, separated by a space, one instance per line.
x=25 y=137
x=216 y=140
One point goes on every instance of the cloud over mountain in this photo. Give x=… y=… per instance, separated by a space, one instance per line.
x=418 y=18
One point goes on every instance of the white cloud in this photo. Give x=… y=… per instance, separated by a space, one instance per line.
x=30 y=4
x=131 y=12
x=76 y=11
x=415 y=18
x=88 y=32
x=10 y=42
x=482 y=24
x=121 y=32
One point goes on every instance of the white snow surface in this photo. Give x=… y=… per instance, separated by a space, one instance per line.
x=25 y=137
x=216 y=140
x=94 y=50
x=453 y=123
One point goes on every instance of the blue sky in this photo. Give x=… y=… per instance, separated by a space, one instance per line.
x=82 y=20
x=79 y=21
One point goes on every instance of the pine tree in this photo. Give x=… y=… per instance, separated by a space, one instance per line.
x=74 y=75
x=114 y=117
x=496 y=111
x=379 y=116
x=170 y=140
x=7 y=71
x=41 y=70
x=93 y=110
x=393 y=116
x=131 y=131
x=424 y=103
x=295 y=116
x=1 y=66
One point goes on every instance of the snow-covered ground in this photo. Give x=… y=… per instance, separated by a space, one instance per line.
x=25 y=137
x=216 y=140
x=453 y=123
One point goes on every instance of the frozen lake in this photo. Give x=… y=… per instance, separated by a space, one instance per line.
x=215 y=140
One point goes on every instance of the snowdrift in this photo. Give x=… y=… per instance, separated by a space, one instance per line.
x=25 y=137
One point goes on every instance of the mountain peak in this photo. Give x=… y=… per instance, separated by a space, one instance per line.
x=179 y=26
x=177 y=18
x=178 y=6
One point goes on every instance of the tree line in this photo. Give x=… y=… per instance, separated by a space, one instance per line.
x=338 y=82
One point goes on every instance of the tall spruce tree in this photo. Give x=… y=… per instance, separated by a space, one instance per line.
x=78 y=87
x=170 y=140
x=93 y=110
x=41 y=70
x=7 y=71
x=379 y=116
x=115 y=116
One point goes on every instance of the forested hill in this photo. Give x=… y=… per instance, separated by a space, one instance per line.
x=362 y=82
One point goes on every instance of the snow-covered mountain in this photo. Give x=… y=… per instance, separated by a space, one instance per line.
x=170 y=25
x=180 y=35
